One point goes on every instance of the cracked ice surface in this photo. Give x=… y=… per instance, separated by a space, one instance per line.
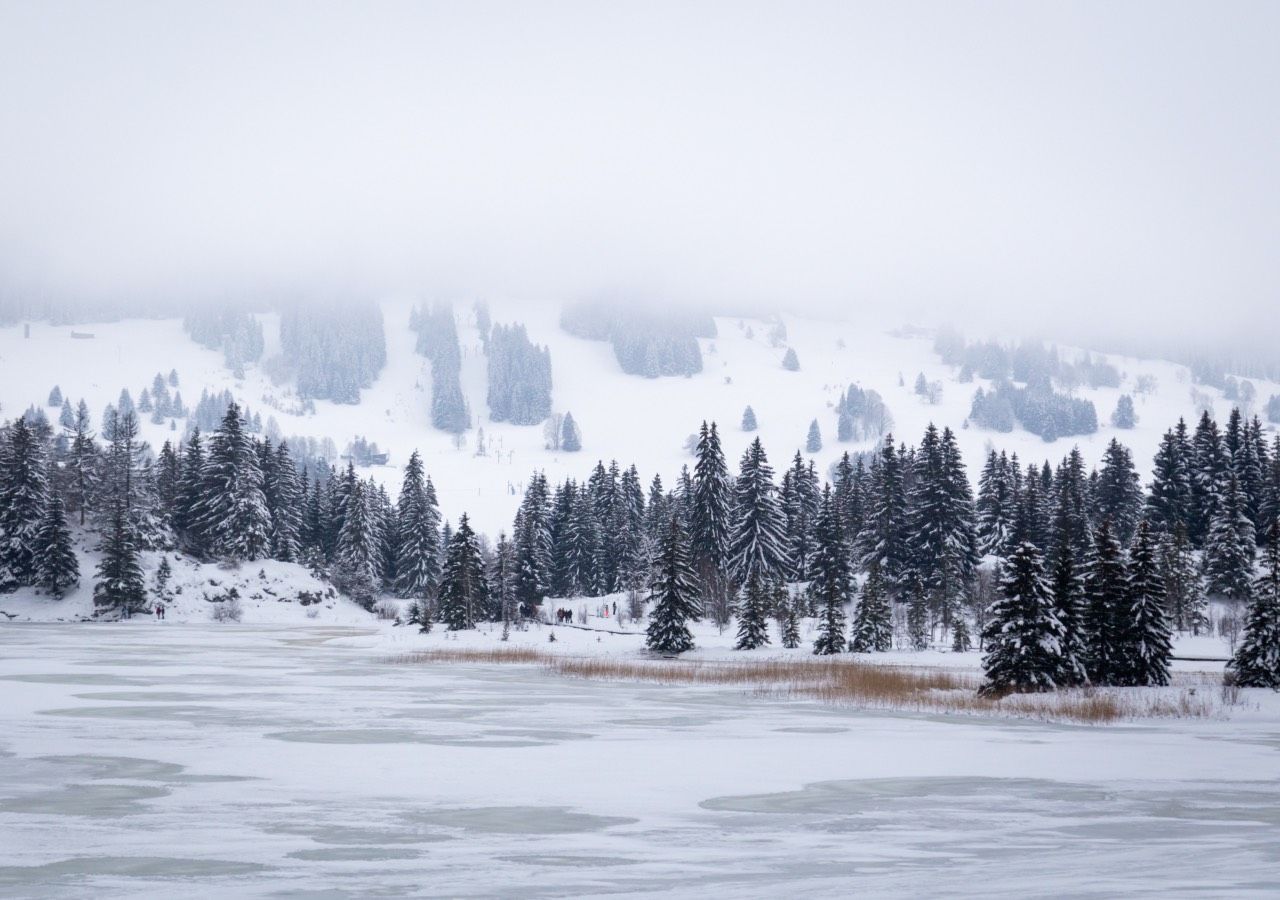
x=289 y=762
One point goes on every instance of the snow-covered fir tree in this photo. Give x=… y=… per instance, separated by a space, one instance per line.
x=674 y=595
x=417 y=538
x=813 y=441
x=57 y=568
x=24 y=498
x=710 y=520
x=119 y=588
x=1066 y=589
x=832 y=580
x=1106 y=586
x=790 y=361
x=873 y=618
x=1169 y=501
x=1117 y=495
x=570 y=434
x=502 y=584
x=753 y=613
x=757 y=550
x=1023 y=637
x=1144 y=626
x=464 y=588
x=1183 y=587
x=358 y=562
x=233 y=512
x=996 y=505
x=1229 y=548
x=1256 y=662
x=749 y=420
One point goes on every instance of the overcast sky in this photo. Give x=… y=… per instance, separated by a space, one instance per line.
x=1111 y=158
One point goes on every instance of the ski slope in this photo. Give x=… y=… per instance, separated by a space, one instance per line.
x=623 y=417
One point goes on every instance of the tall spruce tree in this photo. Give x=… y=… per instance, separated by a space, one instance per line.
x=464 y=589
x=1183 y=587
x=753 y=613
x=57 y=568
x=24 y=498
x=1024 y=636
x=119 y=589
x=1106 y=586
x=832 y=580
x=233 y=510
x=417 y=535
x=758 y=547
x=1229 y=548
x=1067 y=591
x=1144 y=626
x=873 y=618
x=1169 y=502
x=1118 y=494
x=884 y=540
x=674 y=596
x=1257 y=661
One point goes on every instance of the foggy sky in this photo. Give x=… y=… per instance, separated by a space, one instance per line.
x=1043 y=160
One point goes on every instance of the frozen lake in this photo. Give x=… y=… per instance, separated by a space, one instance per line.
x=156 y=760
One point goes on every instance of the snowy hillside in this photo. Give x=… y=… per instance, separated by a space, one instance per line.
x=621 y=416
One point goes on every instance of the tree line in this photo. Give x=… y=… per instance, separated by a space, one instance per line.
x=1067 y=576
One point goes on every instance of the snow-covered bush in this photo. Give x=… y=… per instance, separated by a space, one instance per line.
x=386 y=610
x=227 y=610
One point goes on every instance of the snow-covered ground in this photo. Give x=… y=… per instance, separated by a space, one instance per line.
x=622 y=417
x=157 y=759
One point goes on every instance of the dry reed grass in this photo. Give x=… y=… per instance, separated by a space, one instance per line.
x=861 y=684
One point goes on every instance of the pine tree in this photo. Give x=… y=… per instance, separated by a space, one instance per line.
x=1169 y=502
x=789 y=619
x=961 y=642
x=464 y=590
x=119 y=588
x=57 y=568
x=1229 y=549
x=790 y=361
x=996 y=506
x=749 y=420
x=884 y=540
x=1143 y=627
x=533 y=546
x=1257 y=661
x=832 y=580
x=1105 y=589
x=674 y=595
x=753 y=624
x=233 y=510
x=813 y=442
x=285 y=492
x=1183 y=588
x=502 y=582
x=1208 y=467
x=913 y=593
x=418 y=535
x=757 y=550
x=190 y=493
x=872 y=620
x=164 y=574
x=357 y=557
x=710 y=520
x=570 y=436
x=1023 y=637
x=1118 y=496
x=24 y=498
x=1124 y=416
x=1067 y=592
